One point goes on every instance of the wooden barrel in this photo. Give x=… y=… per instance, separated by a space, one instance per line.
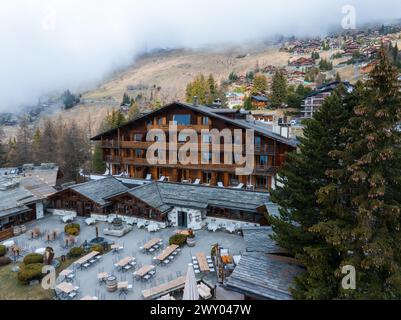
x=111 y=284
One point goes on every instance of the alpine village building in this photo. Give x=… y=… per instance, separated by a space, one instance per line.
x=124 y=148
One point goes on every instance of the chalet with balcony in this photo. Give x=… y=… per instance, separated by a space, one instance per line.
x=86 y=198
x=315 y=99
x=125 y=148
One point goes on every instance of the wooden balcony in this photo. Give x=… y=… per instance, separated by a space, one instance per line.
x=165 y=127
x=110 y=144
x=136 y=144
x=258 y=169
x=265 y=149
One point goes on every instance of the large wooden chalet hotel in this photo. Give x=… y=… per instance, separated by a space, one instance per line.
x=124 y=148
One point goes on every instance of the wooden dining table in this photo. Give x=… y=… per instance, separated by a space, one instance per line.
x=203 y=265
x=167 y=252
x=124 y=261
x=144 y=270
x=87 y=257
x=66 y=272
x=65 y=287
x=164 y=288
x=151 y=243
x=102 y=275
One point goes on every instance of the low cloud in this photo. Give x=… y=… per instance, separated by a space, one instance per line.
x=48 y=46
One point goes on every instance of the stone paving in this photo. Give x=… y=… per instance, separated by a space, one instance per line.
x=87 y=279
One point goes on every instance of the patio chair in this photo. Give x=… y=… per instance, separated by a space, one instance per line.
x=197 y=181
x=147 y=277
x=220 y=184
x=162 y=179
x=239 y=186
x=127 y=267
x=72 y=295
x=166 y=262
x=148 y=177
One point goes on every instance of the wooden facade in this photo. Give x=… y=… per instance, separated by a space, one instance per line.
x=130 y=206
x=124 y=150
x=71 y=200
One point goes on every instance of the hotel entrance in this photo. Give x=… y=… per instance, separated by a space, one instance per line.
x=182 y=219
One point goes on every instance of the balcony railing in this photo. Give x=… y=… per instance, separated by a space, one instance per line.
x=263 y=149
x=258 y=168
x=165 y=127
x=110 y=144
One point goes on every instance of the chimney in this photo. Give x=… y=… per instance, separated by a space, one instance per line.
x=195 y=101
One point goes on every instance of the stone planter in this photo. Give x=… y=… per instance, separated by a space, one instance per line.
x=191 y=242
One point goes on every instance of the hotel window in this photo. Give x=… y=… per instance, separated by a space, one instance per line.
x=138 y=153
x=138 y=137
x=182 y=119
x=264 y=160
x=206 y=156
x=261 y=182
x=258 y=141
x=159 y=121
x=206 y=138
x=205 y=121
x=182 y=137
x=149 y=122
x=207 y=177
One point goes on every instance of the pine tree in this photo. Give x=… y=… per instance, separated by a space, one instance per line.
x=48 y=150
x=259 y=84
x=279 y=90
x=365 y=200
x=98 y=165
x=35 y=146
x=301 y=177
x=126 y=100
x=134 y=111
x=338 y=77
x=212 y=92
x=23 y=146
x=248 y=103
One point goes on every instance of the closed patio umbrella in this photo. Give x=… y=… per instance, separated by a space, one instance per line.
x=191 y=288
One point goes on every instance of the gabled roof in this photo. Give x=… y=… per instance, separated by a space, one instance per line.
x=264 y=276
x=165 y=195
x=37 y=187
x=211 y=112
x=150 y=194
x=257 y=239
x=14 y=198
x=98 y=190
x=260 y=98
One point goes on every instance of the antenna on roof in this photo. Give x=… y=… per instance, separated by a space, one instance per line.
x=195 y=100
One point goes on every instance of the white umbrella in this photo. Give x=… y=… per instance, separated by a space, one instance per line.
x=191 y=288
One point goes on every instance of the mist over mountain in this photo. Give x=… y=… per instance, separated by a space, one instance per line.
x=48 y=46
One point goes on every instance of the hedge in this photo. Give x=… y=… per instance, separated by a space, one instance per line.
x=72 y=229
x=75 y=252
x=3 y=250
x=33 y=258
x=30 y=272
x=4 y=261
x=178 y=239
x=98 y=248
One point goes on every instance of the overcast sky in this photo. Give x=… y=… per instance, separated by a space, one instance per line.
x=52 y=45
